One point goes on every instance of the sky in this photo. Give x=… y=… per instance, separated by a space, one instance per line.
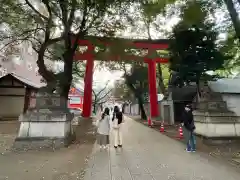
x=101 y=77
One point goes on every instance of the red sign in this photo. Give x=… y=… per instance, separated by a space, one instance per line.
x=75 y=99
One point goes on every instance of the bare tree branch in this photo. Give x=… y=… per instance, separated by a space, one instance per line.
x=72 y=12
x=49 y=23
x=103 y=89
x=63 y=6
x=98 y=100
x=35 y=10
x=81 y=31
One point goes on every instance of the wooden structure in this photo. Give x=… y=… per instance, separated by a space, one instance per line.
x=15 y=93
x=98 y=48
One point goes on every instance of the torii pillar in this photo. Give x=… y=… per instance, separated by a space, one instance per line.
x=152 y=83
x=88 y=82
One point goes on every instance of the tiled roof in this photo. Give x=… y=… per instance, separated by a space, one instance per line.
x=27 y=81
x=23 y=73
x=29 y=75
x=225 y=85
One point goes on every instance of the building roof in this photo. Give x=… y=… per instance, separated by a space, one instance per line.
x=27 y=81
x=28 y=76
x=186 y=93
x=225 y=85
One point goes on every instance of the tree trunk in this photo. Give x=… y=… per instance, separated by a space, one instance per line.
x=42 y=69
x=94 y=107
x=160 y=79
x=234 y=16
x=198 y=91
x=66 y=79
x=139 y=98
x=142 y=110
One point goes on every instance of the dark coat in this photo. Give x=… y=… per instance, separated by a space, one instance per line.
x=188 y=121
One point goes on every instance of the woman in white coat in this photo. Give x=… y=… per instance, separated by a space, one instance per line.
x=117 y=127
x=104 y=129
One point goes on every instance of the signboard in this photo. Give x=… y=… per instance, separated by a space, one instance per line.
x=75 y=100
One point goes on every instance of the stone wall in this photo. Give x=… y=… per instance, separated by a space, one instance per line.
x=233 y=102
x=217 y=125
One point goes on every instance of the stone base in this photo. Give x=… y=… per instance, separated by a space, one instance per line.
x=41 y=143
x=217 y=127
x=41 y=135
x=81 y=119
x=217 y=130
x=218 y=140
x=159 y=118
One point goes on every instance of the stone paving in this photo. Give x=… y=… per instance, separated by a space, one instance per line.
x=149 y=155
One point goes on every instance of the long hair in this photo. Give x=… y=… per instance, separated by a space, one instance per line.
x=116 y=109
x=117 y=114
x=106 y=112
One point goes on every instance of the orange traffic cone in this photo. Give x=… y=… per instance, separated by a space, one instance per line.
x=162 y=128
x=180 y=136
x=149 y=122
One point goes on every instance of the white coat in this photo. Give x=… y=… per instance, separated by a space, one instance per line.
x=117 y=130
x=104 y=125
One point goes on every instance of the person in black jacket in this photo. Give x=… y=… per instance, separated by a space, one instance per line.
x=188 y=129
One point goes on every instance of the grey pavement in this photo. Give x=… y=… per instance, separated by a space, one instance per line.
x=149 y=155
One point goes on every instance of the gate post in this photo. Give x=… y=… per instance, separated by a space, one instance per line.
x=152 y=88
x=88 y=81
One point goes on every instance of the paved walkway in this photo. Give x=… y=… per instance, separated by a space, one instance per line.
x=148 y=155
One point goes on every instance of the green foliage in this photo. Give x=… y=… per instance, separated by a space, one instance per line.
x=230 y=47
x=165 y=74
x=138 y=77
x=152 y=9
x=194 y=52
x=121 y=91
x=193 y=13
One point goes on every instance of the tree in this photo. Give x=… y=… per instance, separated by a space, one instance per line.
x=101 y=96
x=234 y=16
x=121 y=91
x=231 y=48
x=210 y=9
x=59 y=23
x=154 y=18
x=137 y=81
x=194 y=52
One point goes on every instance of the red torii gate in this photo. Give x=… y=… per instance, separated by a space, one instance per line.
x=89 y=55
